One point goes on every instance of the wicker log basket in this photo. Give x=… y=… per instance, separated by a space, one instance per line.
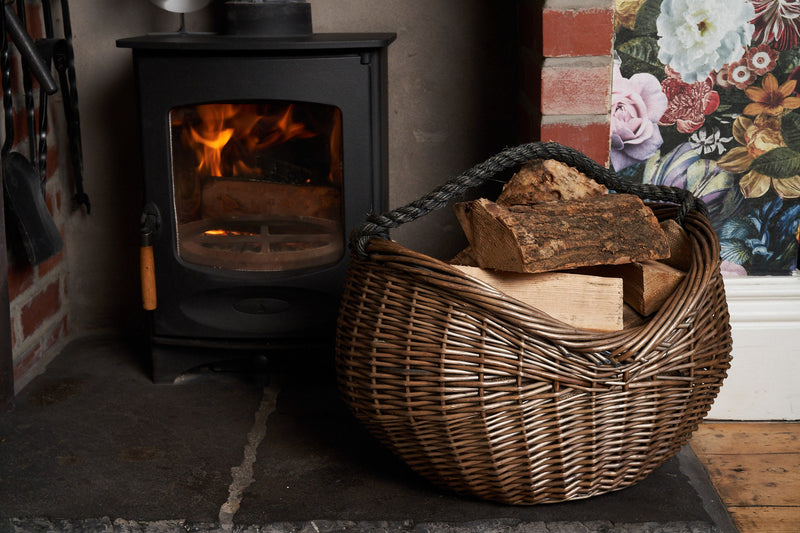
x=490 y=397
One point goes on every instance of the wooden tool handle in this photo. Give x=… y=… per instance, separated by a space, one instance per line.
x=147 y=266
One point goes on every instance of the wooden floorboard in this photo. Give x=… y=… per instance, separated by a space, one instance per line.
x=739 y=437
x=756 y=479
x=766 y=519
x=755 y=468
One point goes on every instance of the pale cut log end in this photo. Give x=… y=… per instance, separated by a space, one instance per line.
x=548 y=180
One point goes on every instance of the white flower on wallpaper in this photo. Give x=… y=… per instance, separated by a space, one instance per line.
x=696 y=38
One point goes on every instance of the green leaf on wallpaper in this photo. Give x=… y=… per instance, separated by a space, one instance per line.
x=646 y=17
x=640 y=54
x=790 y=130
x=778 y=163
x=735 y=251
x=632 y=173
x=787 y=61
x=732 y=96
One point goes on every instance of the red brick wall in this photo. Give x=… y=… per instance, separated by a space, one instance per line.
x=565 y=65
x=37 y=294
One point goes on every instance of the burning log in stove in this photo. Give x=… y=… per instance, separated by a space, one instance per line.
x=226 y=155
x=232 y=197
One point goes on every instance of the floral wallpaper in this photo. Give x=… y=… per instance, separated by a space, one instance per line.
x=706 y=97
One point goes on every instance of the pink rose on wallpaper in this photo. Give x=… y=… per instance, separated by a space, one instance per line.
x=688 y=103
x=636 y=105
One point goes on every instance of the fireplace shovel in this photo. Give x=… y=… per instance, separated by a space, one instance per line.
x=21 y=183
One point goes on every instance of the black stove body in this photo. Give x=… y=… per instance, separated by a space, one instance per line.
x=260 y=154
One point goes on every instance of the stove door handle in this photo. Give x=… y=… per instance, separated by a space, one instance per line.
x=150 y=225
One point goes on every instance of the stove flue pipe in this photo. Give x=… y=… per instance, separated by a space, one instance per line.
x=267 y=18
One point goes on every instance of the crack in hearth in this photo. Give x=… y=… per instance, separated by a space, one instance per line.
x=242 y=475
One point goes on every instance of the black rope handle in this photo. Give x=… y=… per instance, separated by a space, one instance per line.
x=379 y=225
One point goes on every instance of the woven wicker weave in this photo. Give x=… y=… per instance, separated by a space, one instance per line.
x=487 y=396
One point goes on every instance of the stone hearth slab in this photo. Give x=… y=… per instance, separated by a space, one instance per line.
x=93 y=444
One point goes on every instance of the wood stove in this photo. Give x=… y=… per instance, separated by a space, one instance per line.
x=260 y=153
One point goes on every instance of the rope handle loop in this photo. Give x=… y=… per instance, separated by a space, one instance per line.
x=379 y=225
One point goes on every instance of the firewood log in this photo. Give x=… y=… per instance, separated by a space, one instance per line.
x=582 y=301
x=548 y=180
x=680 y=247
x=646 y=284
x=609 y=229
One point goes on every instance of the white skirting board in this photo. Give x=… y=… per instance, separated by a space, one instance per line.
x=764 y=380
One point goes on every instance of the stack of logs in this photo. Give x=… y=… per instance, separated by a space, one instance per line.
x=556 y=239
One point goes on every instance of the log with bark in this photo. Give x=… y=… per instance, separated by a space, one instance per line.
x=548 y=180
x=609 y=229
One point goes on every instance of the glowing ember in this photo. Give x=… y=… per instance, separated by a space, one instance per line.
x=228 y=233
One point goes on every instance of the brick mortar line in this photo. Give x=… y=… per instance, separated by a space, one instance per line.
x=40 y=367
x=46 y=327
x=578 y=5
x=578 y=62
x=584 y=118
x=39 y=282
x=24 y=298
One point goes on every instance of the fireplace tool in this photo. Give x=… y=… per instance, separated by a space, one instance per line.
x=64 y=60
x=21 y=183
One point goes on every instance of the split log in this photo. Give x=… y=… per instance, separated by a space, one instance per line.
x=584 y=302
x=630 y=318
x=463 y=219
x=680 y=247
x=646 y=285
x=548 y=180
x=609 y=229
x=464 y=258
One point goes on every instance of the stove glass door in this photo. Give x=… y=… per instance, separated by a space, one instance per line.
x=257 y=186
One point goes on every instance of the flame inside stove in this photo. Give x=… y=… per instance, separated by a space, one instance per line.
x=228 y=138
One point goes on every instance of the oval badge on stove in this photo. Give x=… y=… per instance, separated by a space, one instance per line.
x=261 y=306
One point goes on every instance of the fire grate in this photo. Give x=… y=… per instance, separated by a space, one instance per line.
x=275 y=243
